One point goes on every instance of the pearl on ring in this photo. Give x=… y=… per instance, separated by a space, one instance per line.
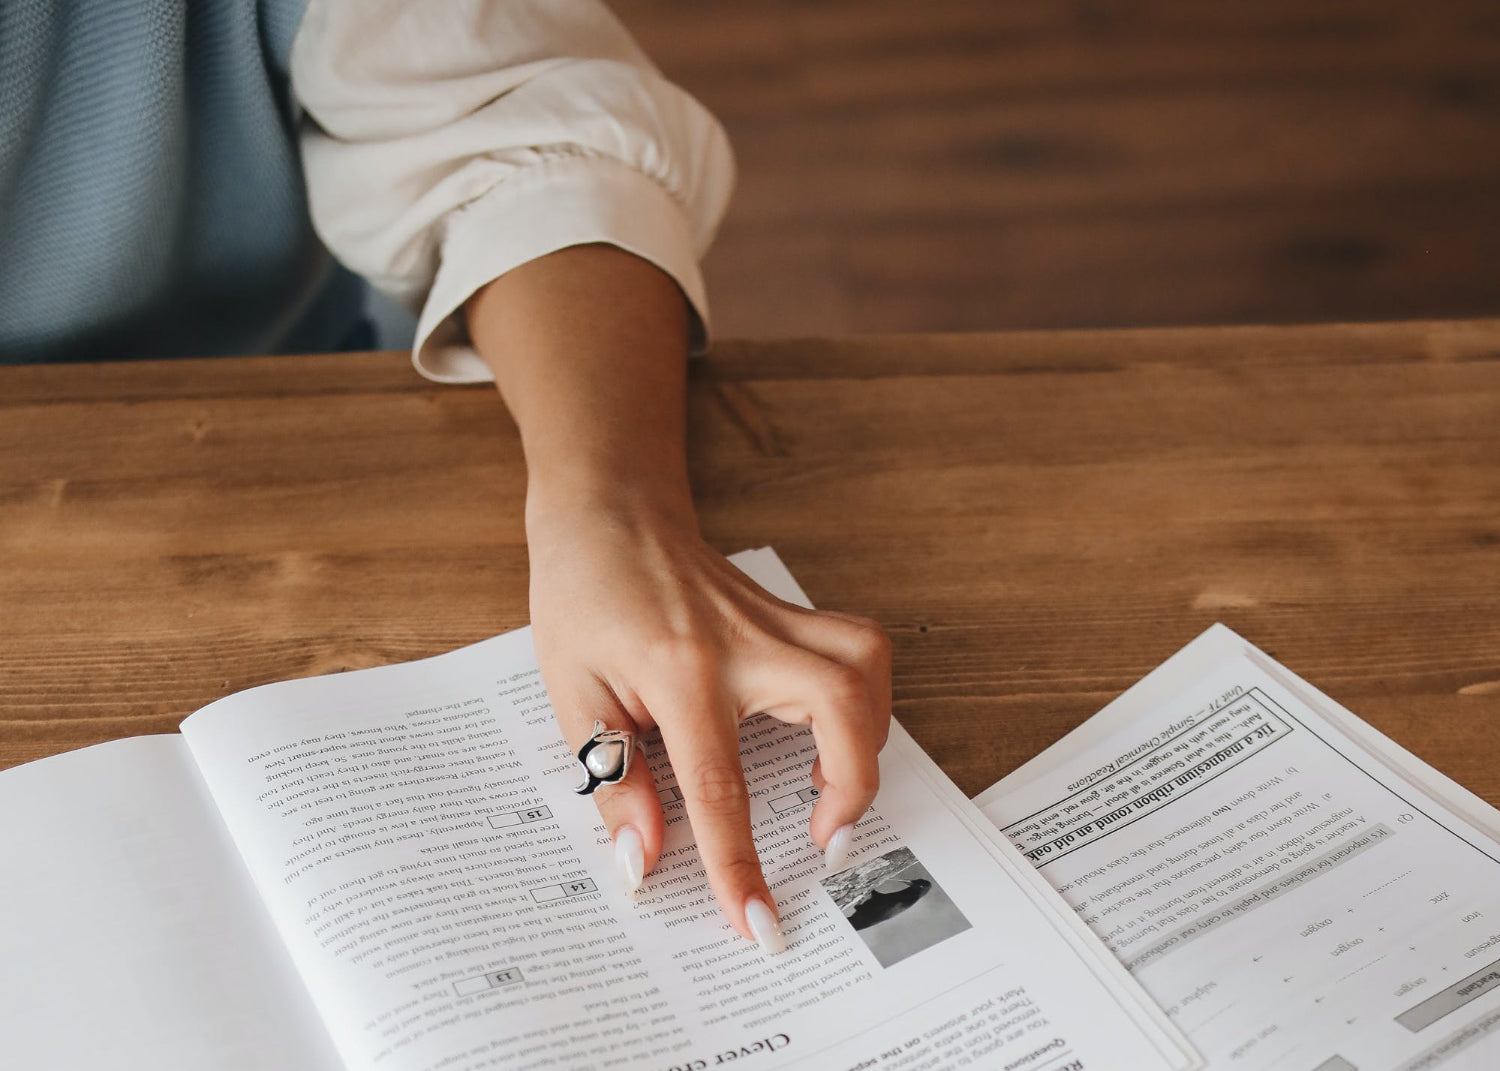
x=604 y=758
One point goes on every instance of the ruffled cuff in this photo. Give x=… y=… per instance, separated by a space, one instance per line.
x=556 y=203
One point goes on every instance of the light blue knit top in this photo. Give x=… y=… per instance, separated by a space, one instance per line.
x=151 y=198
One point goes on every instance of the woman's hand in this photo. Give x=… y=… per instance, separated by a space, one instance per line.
x=640 y=624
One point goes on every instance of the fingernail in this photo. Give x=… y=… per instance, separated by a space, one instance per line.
x=837 y=852
x=630 y=857
x=765 y=927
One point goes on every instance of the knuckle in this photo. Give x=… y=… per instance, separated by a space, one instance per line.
x=871 y=643
x=844 y=687
x=718 y=789
x=685 y=658
x=737 y=871
x=623 y=801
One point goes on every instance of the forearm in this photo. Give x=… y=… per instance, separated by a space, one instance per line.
x=589 y=349
x=638 y=623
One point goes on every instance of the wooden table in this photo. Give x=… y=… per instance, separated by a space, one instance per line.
x=1038 y=519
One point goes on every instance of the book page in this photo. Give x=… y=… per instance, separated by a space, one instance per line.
x=1294 y=889
x=131 y=937
x=452 y=903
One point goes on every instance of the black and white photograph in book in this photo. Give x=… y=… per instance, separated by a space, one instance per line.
x=895 y=905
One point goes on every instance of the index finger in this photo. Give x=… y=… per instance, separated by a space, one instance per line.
x=704 y=747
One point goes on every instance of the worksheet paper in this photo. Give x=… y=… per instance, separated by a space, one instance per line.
x=1296 y=890
x=392 y=865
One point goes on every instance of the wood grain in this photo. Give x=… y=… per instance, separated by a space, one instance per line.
x=1038 y=518
x=953 y=165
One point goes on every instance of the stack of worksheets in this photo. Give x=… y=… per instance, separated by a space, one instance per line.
x=1295 y=889
x=390 y=869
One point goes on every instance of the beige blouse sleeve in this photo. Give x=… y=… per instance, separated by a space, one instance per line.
x=448 y=141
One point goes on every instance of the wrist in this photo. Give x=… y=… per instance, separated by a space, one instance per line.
x=559 y=503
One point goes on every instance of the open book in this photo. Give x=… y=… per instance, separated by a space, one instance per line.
x=390 y=869
x=1294 y=888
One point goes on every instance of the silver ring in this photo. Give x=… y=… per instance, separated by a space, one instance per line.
x=604 y=758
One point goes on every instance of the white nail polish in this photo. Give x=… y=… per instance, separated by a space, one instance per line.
x=765 y=927
x=630 y=857
x=837 y=852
